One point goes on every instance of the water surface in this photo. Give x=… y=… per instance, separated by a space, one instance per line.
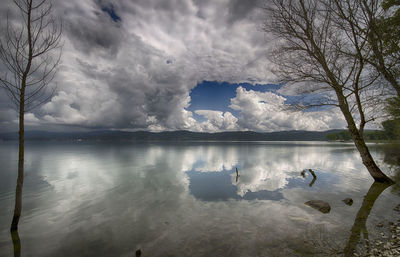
x=186 y=199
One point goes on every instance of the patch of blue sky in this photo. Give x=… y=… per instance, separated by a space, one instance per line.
x=213 y=95
x=307 y=100
x=109 y=9
x=216 y=96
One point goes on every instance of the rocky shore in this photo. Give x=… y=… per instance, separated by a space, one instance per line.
x=388 y=244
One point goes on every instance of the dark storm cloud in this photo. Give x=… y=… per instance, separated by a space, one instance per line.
x=239 y=9
x=7 y=115
x=94 y=30
x=132 y=64
x=177 y=6
x=130 y=111
x=110 y=10
x=147 y=95
x=148 y=90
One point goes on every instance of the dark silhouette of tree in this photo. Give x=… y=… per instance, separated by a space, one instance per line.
x=360 y=221
x=317 y=48
x=374 y=33
x=393 y=107
x=383 y=36
x=31 y=52
x=16 y=243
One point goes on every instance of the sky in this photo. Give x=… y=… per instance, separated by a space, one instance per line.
x=197 y=65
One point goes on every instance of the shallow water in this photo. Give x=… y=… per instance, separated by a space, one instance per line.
x=186 y=199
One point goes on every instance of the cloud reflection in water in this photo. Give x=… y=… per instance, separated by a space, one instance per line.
x=94 y=199
x=265 y=170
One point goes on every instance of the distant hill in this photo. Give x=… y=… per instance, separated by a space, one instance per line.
x=108 y=135
x=369 y=135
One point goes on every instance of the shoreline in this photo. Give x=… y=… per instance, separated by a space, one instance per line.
x=388 y=242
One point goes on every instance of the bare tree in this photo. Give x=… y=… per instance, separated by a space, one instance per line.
x=30 y=51
x=383 y=38
x=367 y=20
x=313 y=48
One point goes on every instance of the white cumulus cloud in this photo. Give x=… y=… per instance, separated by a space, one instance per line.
x=267 y=111
x=137 y=71
x=217 y=121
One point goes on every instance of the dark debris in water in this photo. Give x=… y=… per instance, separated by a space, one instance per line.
x=348 y=201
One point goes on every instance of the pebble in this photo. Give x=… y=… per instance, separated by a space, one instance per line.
x=388 y=245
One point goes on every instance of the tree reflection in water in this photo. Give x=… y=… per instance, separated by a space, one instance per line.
x=392 y=160
x=237 y=175
x=359 y=225
x=16 y=243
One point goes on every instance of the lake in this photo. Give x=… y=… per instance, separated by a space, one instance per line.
x=186 y=199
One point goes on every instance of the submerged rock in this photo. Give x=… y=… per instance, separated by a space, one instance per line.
x=319 y=205
x=348 y=201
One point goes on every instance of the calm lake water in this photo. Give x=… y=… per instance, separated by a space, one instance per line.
x=185 y=199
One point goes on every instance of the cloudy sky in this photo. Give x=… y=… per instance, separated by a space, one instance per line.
x=198 y=65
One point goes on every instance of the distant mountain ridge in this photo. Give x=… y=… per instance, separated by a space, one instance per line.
x=182 y=135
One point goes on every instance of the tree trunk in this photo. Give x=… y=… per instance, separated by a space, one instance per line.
x=20 y=179
x=359 y=141
x=368 y=161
